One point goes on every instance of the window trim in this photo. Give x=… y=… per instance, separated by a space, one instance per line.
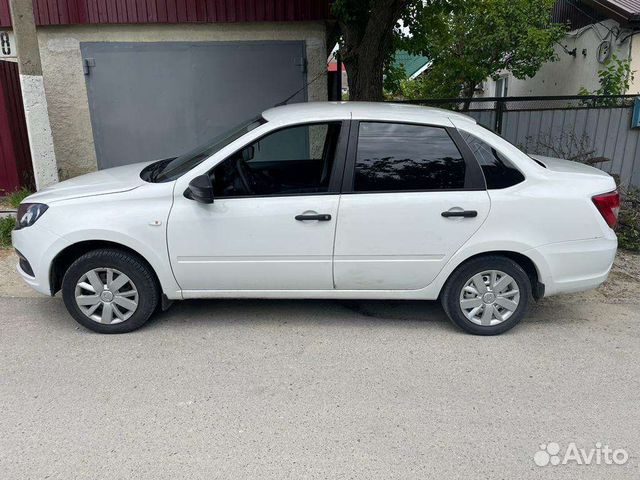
x=473 y=178
x=337 y=171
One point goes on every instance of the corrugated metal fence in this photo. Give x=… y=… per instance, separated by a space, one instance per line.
x=573 y=127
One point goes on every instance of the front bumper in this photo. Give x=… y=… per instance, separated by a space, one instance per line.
x=38 y=247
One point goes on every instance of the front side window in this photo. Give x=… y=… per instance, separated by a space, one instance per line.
x=294 y=160
x=397 y=157
x=498 y=171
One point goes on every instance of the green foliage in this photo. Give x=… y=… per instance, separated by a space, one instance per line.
x=394 y=77
x=18 y=196
x=6 y=225
x=471 y=40
x=438 y=82
x=629 y=220
x=615 y=79
x=351 y=10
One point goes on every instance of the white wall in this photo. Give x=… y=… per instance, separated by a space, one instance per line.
x=635 y=64
x=567 y=75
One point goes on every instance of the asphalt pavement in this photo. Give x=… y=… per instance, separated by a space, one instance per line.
x=316 y=389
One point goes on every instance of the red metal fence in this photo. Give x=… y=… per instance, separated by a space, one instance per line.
x=15 y=157
x=5 y=17
x=65 y=12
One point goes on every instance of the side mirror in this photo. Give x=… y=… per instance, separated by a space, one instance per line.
x=200 y=189
x=248 y=153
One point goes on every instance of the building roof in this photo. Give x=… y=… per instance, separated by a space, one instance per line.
x=623 y=11
x=321 y=111
x=413 y=65
x=578 y=13
x=73 y=12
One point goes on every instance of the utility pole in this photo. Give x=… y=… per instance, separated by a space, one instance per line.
x=45 y=169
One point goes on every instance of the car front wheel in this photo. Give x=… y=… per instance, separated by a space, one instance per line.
x=487 y=295
x=110 y=291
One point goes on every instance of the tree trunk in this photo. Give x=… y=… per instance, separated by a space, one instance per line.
x=366 y=44
x=365 y=75
x=468 y=90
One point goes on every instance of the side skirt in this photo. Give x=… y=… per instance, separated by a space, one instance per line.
x=423 y=294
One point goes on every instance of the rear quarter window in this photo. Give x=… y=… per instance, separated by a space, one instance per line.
x=498 y=171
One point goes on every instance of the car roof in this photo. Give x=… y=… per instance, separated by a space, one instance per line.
x=380 y=111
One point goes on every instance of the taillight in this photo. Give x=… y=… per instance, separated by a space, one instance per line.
x=608 y=204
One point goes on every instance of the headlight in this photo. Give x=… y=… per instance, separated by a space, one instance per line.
x=29 y=213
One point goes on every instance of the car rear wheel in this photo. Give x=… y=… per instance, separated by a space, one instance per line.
x=110 y=291
x=487 y=295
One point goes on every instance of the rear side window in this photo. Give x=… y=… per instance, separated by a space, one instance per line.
x=498 y=171
x=397 y=157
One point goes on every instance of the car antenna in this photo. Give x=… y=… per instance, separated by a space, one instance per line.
x=284 y=102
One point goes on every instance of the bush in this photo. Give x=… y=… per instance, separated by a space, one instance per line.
x=615 y=79
x=6 y=225
x=628 y=229
x=18 y=196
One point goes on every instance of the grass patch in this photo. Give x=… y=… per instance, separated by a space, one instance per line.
x=629 y=220
x=6 y=225
x=14 y=199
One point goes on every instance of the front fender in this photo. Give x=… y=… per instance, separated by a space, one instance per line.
x=154 y=252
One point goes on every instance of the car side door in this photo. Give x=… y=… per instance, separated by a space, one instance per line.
x=412 y=196
x=272 y=223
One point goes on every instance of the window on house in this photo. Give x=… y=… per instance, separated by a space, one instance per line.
x=502 y=87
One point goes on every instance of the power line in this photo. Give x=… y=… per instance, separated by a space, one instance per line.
x=597 y=20
x=284 y=102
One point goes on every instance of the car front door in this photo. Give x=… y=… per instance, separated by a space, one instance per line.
x=272 y=223
x=412 y=196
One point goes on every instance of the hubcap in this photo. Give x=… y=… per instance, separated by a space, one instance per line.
x=106 y=295
x=489 y=298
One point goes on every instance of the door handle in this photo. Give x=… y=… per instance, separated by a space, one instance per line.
x=320 y=217
x=460 y=213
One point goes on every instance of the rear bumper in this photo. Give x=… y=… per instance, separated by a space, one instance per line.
x=575 y=266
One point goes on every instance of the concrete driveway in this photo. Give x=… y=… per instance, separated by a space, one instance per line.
x=319 y=389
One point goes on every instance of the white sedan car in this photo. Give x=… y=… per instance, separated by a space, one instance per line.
x=325 y=200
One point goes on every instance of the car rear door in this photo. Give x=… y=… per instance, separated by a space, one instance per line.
x=412 y=196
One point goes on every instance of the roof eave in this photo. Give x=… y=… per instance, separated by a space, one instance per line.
x=616 y=12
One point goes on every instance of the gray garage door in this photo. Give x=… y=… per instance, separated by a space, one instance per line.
x=157 y=100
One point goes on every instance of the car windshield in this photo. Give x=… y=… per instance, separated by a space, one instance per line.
x=171 y=169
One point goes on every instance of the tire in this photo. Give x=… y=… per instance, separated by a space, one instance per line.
x=482 y=316
x=140 y=288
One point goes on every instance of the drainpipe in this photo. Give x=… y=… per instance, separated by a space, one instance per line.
x=45 y=169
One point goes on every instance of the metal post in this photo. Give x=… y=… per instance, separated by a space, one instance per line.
x=339 y=82
x=500 y=108
x=45 y=168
